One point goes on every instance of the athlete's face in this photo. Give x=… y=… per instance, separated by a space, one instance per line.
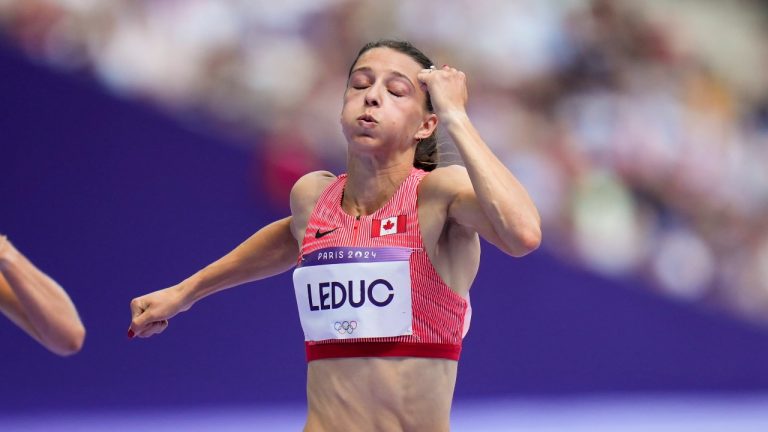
x=384 y=103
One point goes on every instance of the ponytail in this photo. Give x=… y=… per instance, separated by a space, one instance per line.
x=426 y=157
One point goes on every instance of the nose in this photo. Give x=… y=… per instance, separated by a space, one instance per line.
x=372 y=97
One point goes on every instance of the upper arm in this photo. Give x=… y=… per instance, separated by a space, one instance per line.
x=304 y=195
x=452 y=186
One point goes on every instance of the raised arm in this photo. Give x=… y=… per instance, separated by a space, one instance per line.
x=270 y=251
x=485 y=196
x=37 y=304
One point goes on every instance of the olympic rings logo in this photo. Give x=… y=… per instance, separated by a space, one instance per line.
x=345 y=326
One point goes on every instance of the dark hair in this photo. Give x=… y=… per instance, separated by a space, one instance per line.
x=426 y=156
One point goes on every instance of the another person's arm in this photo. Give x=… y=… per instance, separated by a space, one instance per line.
x=270 y=251
x=485 y=196
x=37 y=304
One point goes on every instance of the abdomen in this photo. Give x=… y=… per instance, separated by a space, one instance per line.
x=387 y=394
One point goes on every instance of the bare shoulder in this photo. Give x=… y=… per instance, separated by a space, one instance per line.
x=304 y=196
x=437 y=194
x=445 y=183
x=308 y=188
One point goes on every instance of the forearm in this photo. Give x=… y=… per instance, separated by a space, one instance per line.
x=270 y=251
x=45 y=310
x=502 y=198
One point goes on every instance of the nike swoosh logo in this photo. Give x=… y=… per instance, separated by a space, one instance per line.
x=319 y=234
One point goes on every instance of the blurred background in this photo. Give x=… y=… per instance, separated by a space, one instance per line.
x=140 y=140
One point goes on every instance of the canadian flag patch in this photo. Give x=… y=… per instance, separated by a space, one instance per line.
x=390 y=225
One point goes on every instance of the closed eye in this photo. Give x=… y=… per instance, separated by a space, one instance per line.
x=398 y=88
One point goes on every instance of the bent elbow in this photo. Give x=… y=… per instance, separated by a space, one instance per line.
x=70 y=343
x=532 y=240
x=525 y=242
x=76 y=340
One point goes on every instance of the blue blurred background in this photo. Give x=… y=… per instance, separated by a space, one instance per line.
x=142 y=140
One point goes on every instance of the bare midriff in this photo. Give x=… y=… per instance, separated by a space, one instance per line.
x=380 y=394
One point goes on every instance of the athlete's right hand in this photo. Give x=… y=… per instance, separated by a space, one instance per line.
x=150 y=313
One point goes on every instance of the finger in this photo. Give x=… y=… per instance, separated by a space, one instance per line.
x=137 y=307
x=142 y=329
x=136 y=328
x=144 y=318
x=136 y=310
x=425 y=78
x=159 y=326
x=449 y=68
x=155 y=327
x=150 y=331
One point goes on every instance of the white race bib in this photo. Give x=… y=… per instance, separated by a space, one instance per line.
x=345 y=293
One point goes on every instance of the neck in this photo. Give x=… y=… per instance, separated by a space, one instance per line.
x=370 y=184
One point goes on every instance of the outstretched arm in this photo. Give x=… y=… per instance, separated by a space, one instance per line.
x=486 y=197
x=270 y=251
x=37 y=304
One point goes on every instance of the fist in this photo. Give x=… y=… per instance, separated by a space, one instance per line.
x=447 y=87
x=150 y=313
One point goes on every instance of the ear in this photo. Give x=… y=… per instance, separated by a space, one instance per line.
x=427 y=127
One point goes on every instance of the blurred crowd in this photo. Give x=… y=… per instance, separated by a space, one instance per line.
x=639 y=127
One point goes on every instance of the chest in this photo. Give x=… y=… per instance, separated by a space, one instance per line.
x=394 y=227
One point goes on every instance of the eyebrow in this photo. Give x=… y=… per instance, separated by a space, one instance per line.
x=396 y=73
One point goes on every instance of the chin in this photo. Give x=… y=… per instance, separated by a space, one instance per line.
x=364 y=140
x=364 y=143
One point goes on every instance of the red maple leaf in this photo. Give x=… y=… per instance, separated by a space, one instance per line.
x=388 y=226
